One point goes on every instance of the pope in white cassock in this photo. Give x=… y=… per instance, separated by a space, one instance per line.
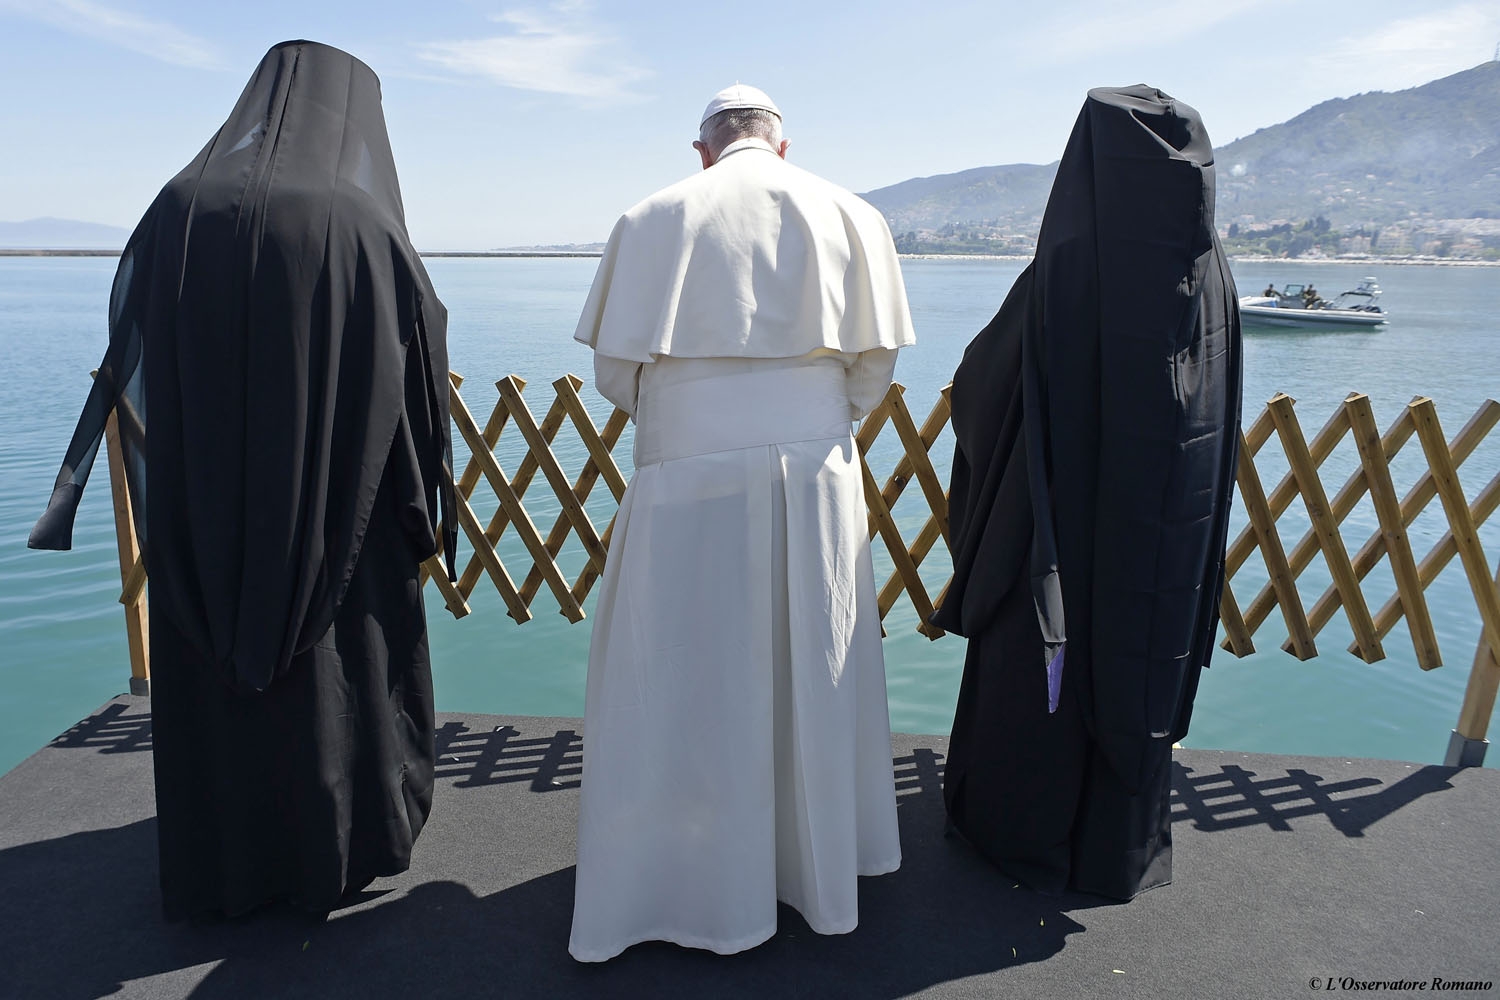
x=736 y=735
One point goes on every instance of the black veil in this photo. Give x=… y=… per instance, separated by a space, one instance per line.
x=272 y=315
x=1097 y=421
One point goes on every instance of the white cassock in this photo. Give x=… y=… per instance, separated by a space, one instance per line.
x=736 y=733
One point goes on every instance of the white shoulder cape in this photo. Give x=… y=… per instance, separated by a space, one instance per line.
x=754 y=258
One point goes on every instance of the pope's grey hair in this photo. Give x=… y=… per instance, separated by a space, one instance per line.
x=739 y=123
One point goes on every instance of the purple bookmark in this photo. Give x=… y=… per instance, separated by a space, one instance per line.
x=1054 y=679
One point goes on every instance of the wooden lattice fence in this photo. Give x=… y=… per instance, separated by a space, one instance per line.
x=1266 y=513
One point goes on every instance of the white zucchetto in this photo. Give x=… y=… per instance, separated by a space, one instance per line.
x=739 y=96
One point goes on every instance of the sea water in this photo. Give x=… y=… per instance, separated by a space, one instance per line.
x=62 y=636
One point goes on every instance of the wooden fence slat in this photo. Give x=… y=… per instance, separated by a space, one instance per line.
x=901 y=476
x=1479 y=695
x=1325 y=527
x=492 y=430
x=942 y=594
x=1344 y=502
x=599 y=451
x=874 y=422
x=591 y=573
x=519 y=482
x=556 y=478
x=886 y=525
x=600 y=447
x=487 y=556
x=916 y=457
x=916 y=445
x=433 y=568
x=894 y=584
x=525 y=529
x=1415 y=500
x=1456 y=506
x=133 y=578
x=1388 y=511
x=1237 y=638
x=1251 y=441
x=1285 y=492
x=1441 y=554
x=134 y=583
x=1308 y=546
x=864 y=437
x=1283 y=581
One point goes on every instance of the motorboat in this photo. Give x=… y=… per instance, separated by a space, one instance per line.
x=1300 y=305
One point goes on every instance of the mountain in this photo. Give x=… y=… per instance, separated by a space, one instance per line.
x=61 y=234
x=1421 y=166
x=993 y=203
x=1374 y=158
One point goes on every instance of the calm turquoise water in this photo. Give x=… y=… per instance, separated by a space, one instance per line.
x=62 y=646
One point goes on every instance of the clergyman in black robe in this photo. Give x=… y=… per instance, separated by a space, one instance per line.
x=278 y=360
x=1097 y=425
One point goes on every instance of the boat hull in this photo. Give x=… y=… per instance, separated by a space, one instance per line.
x=1273 y=316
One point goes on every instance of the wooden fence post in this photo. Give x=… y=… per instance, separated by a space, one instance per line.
x=132 y=570
x=1467 y=744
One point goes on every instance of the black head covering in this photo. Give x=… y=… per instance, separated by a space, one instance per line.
x=1097 y=423
x=272 y=313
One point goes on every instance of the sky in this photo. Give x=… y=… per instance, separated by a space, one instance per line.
x=540 y=122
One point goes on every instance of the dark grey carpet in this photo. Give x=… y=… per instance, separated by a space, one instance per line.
x=1286 y=868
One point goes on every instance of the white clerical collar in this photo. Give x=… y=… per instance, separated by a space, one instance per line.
x=749 y=142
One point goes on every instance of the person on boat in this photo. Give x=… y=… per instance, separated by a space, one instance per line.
x=1270 y=291
x=278 y=361
x=736 y=733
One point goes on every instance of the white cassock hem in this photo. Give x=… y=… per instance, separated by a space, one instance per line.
x=671 y=935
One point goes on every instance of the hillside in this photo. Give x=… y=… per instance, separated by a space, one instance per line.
x=1420 y=166
x=1375 y=158
x=978 y=208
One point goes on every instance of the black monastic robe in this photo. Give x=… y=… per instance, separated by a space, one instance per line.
x=278 y=360
x=1097 y=421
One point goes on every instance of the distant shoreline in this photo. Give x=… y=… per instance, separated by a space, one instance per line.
x=542 y=254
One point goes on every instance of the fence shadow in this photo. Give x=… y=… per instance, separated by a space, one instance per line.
x=112 y=729
x=1234 y=797
x=473 y=759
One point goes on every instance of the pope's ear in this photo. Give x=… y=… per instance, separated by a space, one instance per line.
x=781 y=149
x=703 y=153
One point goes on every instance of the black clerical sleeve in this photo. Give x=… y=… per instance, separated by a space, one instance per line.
x=989 y=504
x=117 y=385
x=999 y=504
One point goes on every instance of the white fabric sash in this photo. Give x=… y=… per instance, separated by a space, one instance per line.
x=729 y=412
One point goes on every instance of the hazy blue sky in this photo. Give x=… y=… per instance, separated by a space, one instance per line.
x=540 y=122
